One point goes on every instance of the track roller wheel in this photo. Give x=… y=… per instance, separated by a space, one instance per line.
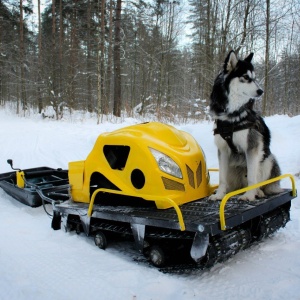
x=68 y=227
x=78 y=229
x=100 y=240
x=157 y=256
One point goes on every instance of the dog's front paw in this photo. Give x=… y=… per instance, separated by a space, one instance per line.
x=252 y=195
x=248 y=196
x=216 y=196
x=260 y=194
x=213 y=197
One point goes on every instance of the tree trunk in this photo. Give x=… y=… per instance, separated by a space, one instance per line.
x=61 y=32
x=40 y=65
x=90 y=107
x=225 y=31
x=99 y=95
x=266 y=73
x=23 y=91
x=247 y=11
x=1 y=66
x=117 y=62
x=73 y=59
x=53 y=52
x=208 y=59
x=102 y=50
x=99 y=66
x=110 y=52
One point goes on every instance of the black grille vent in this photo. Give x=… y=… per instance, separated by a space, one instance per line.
x=190 y=176
x=172 y=184
x=199 y=174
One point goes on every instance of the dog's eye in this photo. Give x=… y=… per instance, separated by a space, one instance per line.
x=246 y=77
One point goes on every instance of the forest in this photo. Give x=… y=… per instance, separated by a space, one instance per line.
x=159 y=57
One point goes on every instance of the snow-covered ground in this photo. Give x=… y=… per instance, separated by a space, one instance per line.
x=39 y=263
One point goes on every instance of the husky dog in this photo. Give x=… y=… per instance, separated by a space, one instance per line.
x=241 y=135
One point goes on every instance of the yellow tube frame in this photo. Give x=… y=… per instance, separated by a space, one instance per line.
x=213 y=170
x=254 y=186
x=150 y=197
x=177 y=209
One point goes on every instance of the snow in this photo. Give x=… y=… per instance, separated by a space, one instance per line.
x=39 y=263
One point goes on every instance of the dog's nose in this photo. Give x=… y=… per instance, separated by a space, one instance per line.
x=259 y=92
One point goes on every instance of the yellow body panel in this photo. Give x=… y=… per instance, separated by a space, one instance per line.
x=76 y=179
x=126 y=164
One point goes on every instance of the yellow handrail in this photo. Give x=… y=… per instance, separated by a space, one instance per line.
x=151 y=197
x=254 y=186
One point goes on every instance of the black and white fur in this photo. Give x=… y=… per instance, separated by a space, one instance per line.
x=250 y=160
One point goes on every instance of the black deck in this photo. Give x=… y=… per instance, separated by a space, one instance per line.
x=202 y=213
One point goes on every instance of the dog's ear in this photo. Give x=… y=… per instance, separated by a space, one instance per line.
x=249 y=57
x=230 y=62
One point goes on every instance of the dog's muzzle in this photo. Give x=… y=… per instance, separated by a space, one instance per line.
x=259 y=91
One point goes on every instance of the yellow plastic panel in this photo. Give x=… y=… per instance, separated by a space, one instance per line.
x=20 y=179
x=76 y=176
x=135 y=171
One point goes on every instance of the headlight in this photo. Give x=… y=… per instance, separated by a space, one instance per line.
x=166 y=163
